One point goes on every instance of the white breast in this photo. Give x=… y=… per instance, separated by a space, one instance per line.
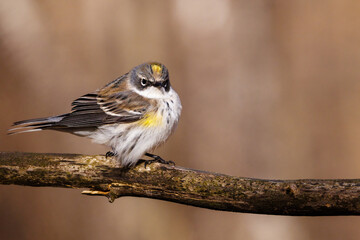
x=130 y=141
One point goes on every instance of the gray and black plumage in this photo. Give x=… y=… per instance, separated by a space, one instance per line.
x=132 y=114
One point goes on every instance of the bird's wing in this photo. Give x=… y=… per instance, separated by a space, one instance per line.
x=106 y=106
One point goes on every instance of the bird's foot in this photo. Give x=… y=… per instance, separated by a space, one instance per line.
x=156 y=158
x=109 y=154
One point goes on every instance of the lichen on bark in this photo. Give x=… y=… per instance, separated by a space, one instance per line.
x=306 y=197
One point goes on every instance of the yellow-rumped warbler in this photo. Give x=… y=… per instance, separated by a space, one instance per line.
x=133 y=114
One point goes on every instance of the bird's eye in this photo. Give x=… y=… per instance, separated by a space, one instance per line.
x=165 y=84
x=144 y=82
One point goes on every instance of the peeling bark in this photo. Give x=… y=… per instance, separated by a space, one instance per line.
x=306 y=197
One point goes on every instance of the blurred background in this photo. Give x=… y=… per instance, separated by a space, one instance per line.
x=270 y=89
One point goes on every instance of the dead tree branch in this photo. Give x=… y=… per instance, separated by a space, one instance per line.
x=307 y=197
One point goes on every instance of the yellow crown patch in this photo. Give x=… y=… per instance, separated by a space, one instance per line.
x=156 y=68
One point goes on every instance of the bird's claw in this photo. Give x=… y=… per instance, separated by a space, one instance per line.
x=162 y=161
x=157 y=159
x=109 y=154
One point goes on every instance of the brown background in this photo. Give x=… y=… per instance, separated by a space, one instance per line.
x=270 y=89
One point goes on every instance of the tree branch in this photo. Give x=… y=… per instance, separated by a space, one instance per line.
x=308 y=197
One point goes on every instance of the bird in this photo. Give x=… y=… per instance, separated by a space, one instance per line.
x=133 y=115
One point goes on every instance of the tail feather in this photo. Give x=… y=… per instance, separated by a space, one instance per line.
x=33 y=125
x=38 y=120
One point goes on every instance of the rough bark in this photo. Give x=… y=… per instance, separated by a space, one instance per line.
x=306 y=197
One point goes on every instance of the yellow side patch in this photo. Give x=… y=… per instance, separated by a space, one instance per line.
x=151 y=120
x=156 y=68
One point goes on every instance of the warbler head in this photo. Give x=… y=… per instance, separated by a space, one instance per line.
x=150 y=80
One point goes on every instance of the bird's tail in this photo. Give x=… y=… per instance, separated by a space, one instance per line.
x=33 y=125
